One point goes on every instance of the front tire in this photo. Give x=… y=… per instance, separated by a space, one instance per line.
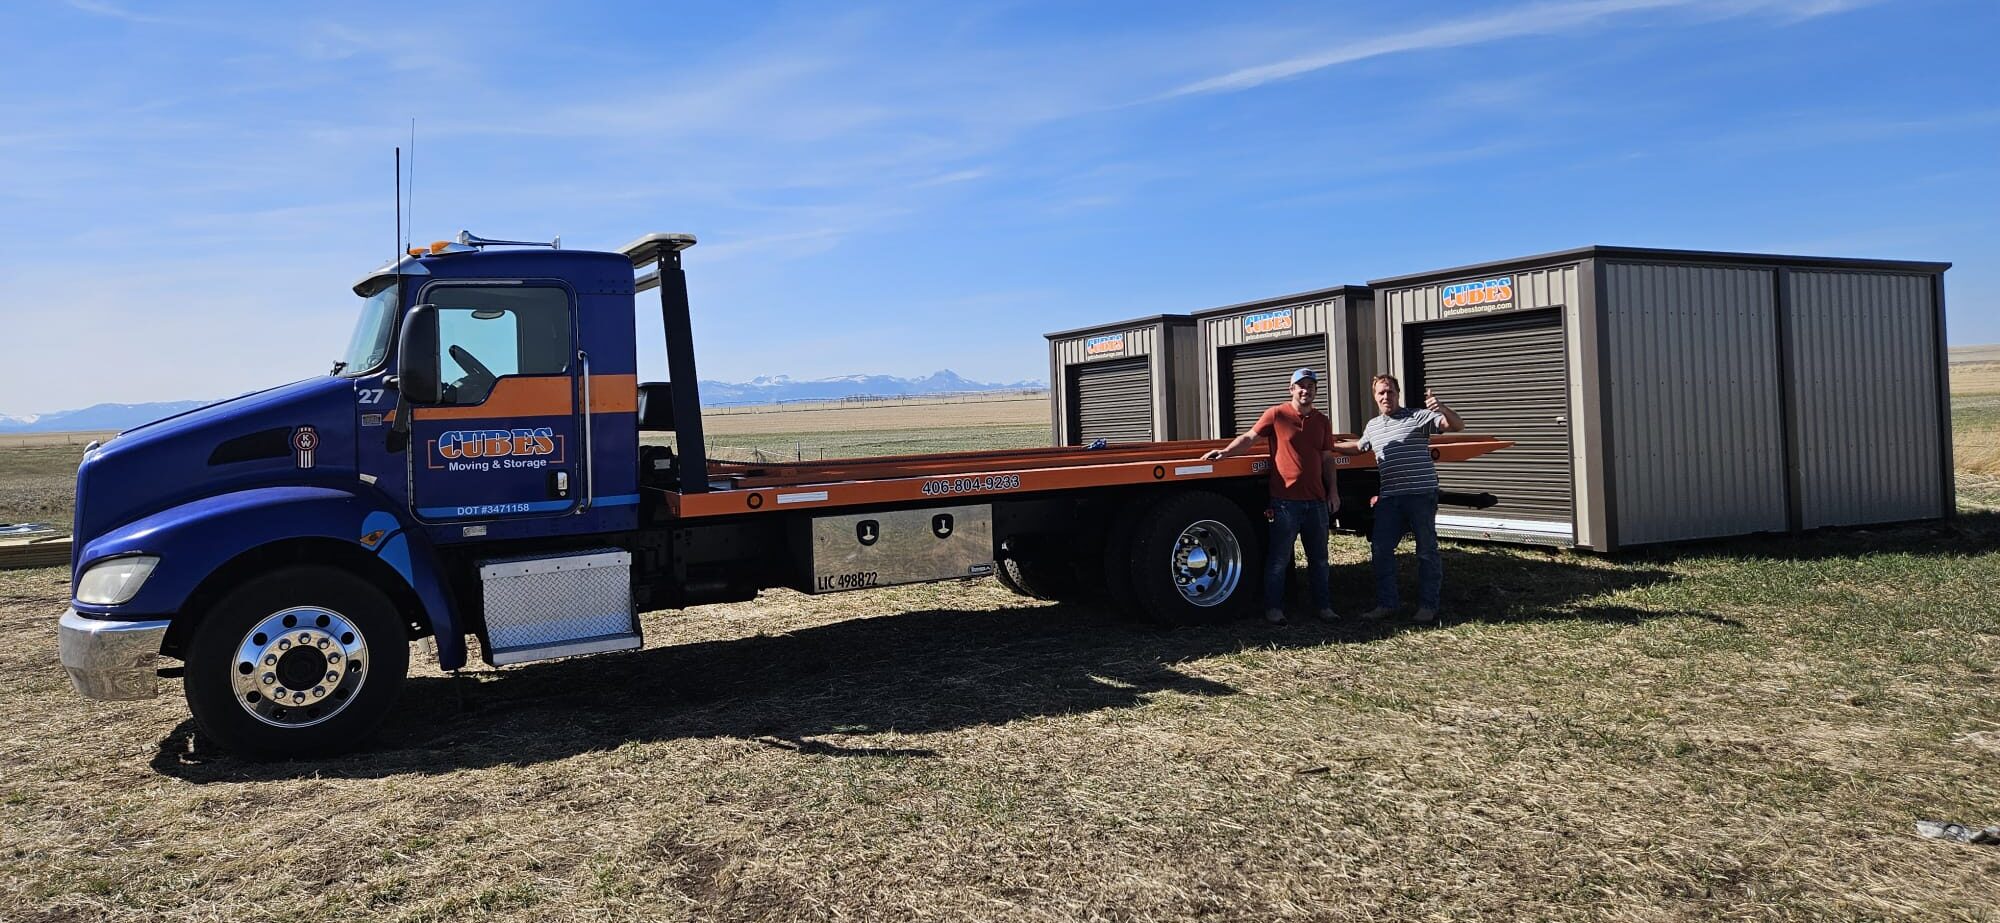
x=303 y=661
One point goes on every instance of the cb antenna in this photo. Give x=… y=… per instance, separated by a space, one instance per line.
x=397 y=261
x=412 y=214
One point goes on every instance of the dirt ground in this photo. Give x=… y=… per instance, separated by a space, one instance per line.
x=1733 y=730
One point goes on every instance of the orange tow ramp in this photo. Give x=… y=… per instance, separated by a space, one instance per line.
x=956 y=476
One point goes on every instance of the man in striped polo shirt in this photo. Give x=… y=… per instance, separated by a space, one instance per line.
x=1407 y=501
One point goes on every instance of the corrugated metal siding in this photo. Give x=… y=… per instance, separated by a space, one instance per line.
x=1256 y=376
x=1222 y=331
x=1183 y=392
x=1113 y=401
x=1865 y=401
x=1139 y=341
x=1696 y=434
x=1068 y=352
x=1536 y=288
x=1505 y=373
x=1367 y=355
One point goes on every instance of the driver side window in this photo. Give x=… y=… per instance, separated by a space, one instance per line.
x=487 y=332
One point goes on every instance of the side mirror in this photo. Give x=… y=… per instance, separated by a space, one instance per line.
x=417 y=373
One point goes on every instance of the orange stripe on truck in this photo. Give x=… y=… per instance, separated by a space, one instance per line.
x=514 y=396
x=543 y=396
x=614 y=394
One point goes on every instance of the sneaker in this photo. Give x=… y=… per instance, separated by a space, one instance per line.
x=1378 y=613
x=1274 y=616
x=1425 y=616
x=1328 y=615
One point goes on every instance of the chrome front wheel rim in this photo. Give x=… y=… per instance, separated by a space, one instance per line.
x=1206 y=563
x=299 y=667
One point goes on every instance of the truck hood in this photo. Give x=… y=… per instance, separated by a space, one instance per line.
x=247 y=441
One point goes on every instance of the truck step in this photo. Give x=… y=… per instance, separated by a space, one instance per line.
x=502 y=656
x=544 y=606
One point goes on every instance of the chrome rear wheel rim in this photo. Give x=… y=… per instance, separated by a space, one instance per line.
x=1206 y=563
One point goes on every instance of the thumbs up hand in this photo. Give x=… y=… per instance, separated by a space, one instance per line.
x=1431 y=402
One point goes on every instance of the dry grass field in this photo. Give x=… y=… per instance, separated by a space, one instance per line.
x=1731 y=730
x=1004 y=409
x=1975 y=412
x=860 y=428
x=1986 y=353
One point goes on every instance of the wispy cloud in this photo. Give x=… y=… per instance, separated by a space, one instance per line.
x=113 y=11
x=1534 y=19
x=956 y=176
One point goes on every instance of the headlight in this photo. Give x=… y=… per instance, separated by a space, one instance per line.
x=109 y=583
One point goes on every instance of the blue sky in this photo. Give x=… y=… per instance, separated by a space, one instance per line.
x=190 y=189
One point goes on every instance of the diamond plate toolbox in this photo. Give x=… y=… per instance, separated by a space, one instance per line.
x=903 y=546
x=556 y=605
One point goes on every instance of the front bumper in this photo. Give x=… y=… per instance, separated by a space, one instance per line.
x=116 y=661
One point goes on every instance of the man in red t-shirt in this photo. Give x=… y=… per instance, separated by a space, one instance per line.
x=1303 y=498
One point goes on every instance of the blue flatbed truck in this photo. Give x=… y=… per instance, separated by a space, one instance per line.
x=474 y=467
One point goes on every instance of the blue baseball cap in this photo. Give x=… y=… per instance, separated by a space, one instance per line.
x=1304 y=375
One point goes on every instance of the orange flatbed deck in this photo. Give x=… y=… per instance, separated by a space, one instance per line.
x=740 y=489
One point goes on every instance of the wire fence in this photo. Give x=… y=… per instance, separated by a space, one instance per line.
x=870 y=401
x=35 y=439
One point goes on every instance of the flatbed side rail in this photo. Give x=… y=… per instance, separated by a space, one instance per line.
x=921 y=478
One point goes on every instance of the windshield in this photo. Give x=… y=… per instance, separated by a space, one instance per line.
x=370 y=344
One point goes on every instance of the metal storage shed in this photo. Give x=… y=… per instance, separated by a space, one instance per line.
x=1663 y=395
x=1248 y=352
x=1131 y=381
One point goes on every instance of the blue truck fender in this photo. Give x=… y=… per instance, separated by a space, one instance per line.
x=201 y=540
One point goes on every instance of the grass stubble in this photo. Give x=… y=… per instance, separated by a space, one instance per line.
x=1735 y=730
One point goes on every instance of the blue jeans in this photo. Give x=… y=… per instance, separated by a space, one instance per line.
x=1394 y=516
x=1290 y=520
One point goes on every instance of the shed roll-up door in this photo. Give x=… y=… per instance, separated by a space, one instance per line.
x=1112 y=401
x=1258 y=375
x=1507 y=377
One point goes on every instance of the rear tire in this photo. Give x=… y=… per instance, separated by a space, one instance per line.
x=1194 y=558
x=1000 y=573
x=303 y=661
x=1115 y=565
x=1037 y=575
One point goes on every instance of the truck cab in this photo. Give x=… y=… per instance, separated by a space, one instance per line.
x=526 y=433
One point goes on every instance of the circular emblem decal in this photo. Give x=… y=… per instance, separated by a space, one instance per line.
x=304 y=440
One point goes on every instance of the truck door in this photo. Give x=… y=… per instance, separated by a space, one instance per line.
x=503 y=444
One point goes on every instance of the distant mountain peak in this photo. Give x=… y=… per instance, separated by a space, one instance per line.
x=96 y=417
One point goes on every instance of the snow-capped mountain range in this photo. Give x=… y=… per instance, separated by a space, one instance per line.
x=764 y=389
x=95 y=417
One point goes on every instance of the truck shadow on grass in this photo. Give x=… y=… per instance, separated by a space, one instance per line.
x=941 y=670
x=915 y=672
